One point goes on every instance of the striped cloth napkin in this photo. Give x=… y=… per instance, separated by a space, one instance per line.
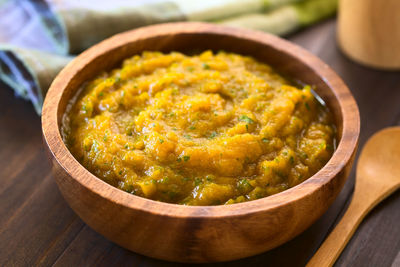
x=39 y=37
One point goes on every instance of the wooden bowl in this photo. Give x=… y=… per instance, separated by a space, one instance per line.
x=200 y=233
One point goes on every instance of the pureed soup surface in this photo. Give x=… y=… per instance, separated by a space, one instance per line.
x=207 y=129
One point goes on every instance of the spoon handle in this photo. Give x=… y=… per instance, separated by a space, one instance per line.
x=340 y=236
x=363 y=202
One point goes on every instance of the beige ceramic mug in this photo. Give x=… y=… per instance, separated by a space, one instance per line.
x=369 y=32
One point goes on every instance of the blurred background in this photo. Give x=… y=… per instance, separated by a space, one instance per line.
x=39 y=37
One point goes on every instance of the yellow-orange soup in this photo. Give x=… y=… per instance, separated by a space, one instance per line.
x=206 y=129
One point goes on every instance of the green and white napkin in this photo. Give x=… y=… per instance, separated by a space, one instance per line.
x=40 y=37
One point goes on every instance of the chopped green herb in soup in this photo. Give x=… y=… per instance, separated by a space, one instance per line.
x=207 y=129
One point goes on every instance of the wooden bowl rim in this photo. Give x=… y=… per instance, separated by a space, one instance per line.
x=342 y=155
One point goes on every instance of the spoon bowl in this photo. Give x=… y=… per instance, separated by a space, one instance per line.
x=379 y=162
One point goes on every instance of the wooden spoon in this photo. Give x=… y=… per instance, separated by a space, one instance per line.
x=378 y=175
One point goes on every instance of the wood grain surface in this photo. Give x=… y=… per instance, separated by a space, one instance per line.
x=38 y=228
x=369 y=32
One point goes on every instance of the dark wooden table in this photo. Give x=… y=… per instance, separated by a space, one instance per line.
x=38 y=228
